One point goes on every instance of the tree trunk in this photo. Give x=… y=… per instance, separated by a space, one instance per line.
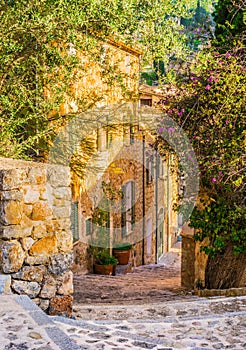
x=225 y=270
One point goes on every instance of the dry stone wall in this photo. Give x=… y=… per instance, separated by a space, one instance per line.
x=35 y=237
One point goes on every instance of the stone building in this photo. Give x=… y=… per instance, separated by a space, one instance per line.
x=126 y=182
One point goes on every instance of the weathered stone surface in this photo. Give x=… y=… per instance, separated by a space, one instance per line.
x=30 y=273
x=61 y=306
x=62 y=212
x=39 y=231
x=62 y=193
x=42 y=303
x=41 y=211
x=30 y=195
x=13 y=178
x=46 y=245
x=60 y=263
x=11 y=256
x=14 y=232
x=58 y=176
x=66 y=287
x=11 y=213
x=14 y=195
x=37 y=175
x=40 y=259
x=65 y=241
x=49 y=288
x=5 y=283
x=27 y=209
x=31 y=289
x=27 y=242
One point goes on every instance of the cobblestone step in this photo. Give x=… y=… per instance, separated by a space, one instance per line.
x=221 y=326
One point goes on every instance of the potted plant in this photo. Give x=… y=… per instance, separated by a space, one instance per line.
x=104 y=263
x=121 y=252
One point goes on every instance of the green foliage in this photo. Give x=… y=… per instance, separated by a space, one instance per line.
x=210 y=106
x=103 y=257
x=230 y=21
x=222 y=222
x=123 y=246
x=36 y=59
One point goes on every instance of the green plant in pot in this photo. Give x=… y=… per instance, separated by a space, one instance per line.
x=104 y=263
x=121 y=252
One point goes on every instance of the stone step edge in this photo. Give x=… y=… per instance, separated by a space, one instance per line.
x=94 y=325
x=42 y=319
x=175 y=303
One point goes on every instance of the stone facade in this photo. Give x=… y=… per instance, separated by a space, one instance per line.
x=155 y=222
x=35 y=237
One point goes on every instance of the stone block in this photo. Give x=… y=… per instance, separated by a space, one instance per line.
x=13 y=195
x=5 y=283
x=40 y=231
x=49 y=288
x=46 y=245
x=11 y=179
x=30 y=289
x=61 y=305
x=62 y=193
x=41 y=259
x=11 y=213
x=41 y=211
x=30 y=195
x=62 y=212
x=66 y=287
x=60 y=263
x=11 y=256
x=58 y=176
x=42 y=303
x=37 y=175
x=65 y=241
x=27 y=242
x=14 y=232
x=30 y=273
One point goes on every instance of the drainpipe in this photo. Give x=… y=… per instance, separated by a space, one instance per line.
x=156 y=202
x=168 y=201
x=143 y=199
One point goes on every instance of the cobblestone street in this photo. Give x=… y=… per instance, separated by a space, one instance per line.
x=146 y=284
x=154 y=313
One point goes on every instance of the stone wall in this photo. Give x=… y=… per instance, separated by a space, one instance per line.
x=35 y=237
x=193 y=262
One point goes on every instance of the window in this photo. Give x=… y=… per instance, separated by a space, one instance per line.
x=149 y=170
x=88 y=227
x=74 y=220
x=146 y=102
x=128 y=207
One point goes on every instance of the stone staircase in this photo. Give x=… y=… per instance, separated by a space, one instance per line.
x=216 y=323
x=198 y=324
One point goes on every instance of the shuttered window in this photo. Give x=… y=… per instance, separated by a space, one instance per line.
x=128 y=207
x=75 y=220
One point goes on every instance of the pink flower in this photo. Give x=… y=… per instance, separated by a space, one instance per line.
x=227 y=121
x=208 y=87
x=228 y=55
x=161 y=130
x=214 y=179
x=170 y=129
x=210 y=79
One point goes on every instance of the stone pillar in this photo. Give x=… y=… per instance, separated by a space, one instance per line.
x=193 y=261
x=35 y=236
x=188 y=258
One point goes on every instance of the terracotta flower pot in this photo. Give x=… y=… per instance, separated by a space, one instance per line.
x=122 y=256
x=103 y=269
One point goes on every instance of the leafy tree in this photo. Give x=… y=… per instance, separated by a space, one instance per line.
x=211 y=109
x=37 y=64
x=230 y=21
